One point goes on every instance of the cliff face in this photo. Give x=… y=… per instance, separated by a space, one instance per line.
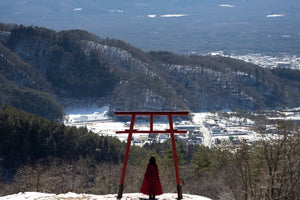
x=78 y=65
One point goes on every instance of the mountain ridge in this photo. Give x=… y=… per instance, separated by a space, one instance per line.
x=76 y=64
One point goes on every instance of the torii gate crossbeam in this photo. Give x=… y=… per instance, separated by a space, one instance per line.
x=170 y=131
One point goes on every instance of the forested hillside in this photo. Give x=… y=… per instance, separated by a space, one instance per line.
x=78 y=65
x=63 y=62
x=24 y=87
x=41 y=155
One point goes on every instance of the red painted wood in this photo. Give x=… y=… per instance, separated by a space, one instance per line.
x=155 y=132
x=170 y=131
x=127 y=150
x=174 y=150
x=151 y=123
x=159 y=113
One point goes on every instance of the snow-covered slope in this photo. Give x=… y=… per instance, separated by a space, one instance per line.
x=74 y=196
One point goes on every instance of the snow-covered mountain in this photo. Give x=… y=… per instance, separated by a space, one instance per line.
x=78 y=65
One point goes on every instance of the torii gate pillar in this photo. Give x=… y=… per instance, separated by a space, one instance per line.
x=170 y=131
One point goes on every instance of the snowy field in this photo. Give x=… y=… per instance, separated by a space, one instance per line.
x=212 y=127
x=74 y=196
x=96 y=120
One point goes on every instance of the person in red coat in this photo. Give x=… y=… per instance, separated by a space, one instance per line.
x=151 y=183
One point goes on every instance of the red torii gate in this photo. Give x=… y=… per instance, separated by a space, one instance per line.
x=170 y=131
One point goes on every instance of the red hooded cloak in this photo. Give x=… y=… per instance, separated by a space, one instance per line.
x=151 y=183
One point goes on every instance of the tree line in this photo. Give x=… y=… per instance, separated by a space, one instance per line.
x=41 y=155
x=28 y=138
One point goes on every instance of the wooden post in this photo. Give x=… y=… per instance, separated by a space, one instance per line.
x=151 y=122
x=121 y=186
x=179 y=188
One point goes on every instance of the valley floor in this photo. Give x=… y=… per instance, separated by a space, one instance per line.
x=205 y=128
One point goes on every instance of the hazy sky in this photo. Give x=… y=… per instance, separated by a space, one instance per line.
x=161 y=24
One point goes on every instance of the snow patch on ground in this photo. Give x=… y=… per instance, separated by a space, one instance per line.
x=74 y=196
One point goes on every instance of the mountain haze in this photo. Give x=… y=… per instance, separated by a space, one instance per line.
x=233 y=26
x=75 y=64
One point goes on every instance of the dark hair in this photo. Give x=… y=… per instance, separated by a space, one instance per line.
x=152 y=160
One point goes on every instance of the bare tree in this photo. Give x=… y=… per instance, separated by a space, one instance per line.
x=281 y=168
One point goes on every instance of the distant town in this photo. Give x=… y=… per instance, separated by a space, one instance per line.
x=267 y=61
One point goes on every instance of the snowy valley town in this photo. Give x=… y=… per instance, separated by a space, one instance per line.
x=210 y=129
x=205 y=128
x=267 y=61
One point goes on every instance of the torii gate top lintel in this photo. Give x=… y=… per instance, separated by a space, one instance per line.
x=170 y=131
x=152 y=114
